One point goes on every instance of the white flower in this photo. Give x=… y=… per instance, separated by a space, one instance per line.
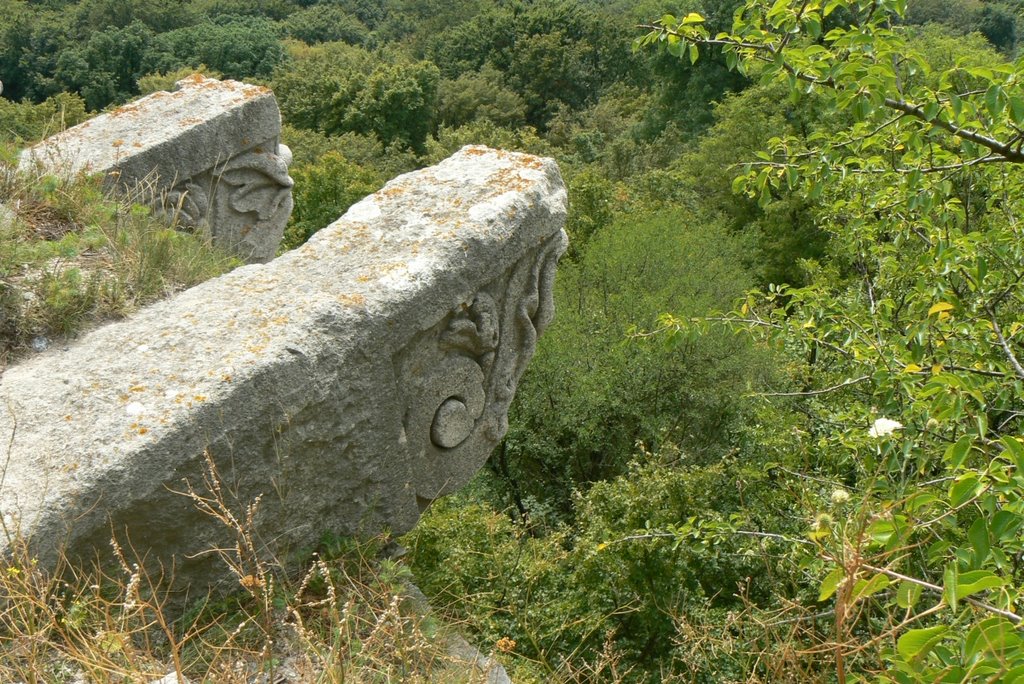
x=840 y=496
x=883 y=427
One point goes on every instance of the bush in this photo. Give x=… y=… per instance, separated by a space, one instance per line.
x=323 y=192
x=238 y=47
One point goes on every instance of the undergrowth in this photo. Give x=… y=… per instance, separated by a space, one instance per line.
x=350 y=616
x=72 y=255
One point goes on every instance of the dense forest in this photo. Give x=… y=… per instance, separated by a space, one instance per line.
x=773 y=434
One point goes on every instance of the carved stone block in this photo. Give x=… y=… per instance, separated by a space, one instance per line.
x=345 y=384
x=207 y=153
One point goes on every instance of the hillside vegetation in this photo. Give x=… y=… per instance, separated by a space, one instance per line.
x=774 y=433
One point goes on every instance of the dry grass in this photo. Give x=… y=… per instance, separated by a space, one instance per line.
x=348 y=617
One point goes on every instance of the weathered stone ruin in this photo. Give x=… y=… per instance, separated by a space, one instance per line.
x=207 y=154
x=343 y=385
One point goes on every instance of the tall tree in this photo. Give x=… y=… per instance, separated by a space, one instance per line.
x=906 y=344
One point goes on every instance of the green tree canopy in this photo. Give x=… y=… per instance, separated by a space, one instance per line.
x=339 y=88
x=238 y=47
x=905 y=344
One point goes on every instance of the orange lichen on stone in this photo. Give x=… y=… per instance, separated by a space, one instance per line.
x=351 y=300
x=196 y=78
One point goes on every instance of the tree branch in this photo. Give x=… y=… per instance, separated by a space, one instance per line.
x=814 y=393
x=1017 y=368
x=767 y=52
x=892 y=574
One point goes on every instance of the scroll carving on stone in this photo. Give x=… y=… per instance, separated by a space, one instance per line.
x=244 y=203
x=206 y=153
x=462 y=374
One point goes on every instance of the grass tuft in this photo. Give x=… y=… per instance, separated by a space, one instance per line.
x=350 y=616
x=73 y=255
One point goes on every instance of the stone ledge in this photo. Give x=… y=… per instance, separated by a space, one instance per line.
x=346 y=384
x=207 y=153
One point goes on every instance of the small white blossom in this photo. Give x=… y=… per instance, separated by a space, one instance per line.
x=840 y=496
x=883 y=427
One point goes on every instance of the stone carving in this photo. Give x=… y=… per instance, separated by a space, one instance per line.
x=248 y=199
x=344 y=385
x=461 y=375
x=207 y=154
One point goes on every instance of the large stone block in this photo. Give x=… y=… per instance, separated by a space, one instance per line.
x=207 y=153
x=346 y=384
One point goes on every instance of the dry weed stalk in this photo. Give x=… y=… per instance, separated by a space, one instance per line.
x=345 y=621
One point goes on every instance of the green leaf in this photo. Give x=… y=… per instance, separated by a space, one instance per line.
x=812 y=26
x=868 y=587
x=963 y=489
x=970 y=583
x=694 y=53
x=1004 y=525
x=917 y=643
x=957 y=453
x=881 y=531
x=994 y=100
x=1015 y=449
x=692 y=18
x=994 y=635
x=830 y=583
x=908 y=594
x=956 y=103
x=1017 y=109
x=978 y=536
x=949 y=586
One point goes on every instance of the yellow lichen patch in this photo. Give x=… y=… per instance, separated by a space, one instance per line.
x=137 y=388
x=195 y=79
x=392 y=191
x=351 y=300
x=124 y=109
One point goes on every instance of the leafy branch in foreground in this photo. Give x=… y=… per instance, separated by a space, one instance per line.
x=905 y=348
